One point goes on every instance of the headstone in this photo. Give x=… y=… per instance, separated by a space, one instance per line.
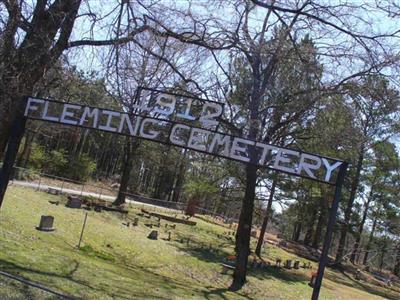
x=53 y=191
x=74 y=202
x=97 y=208
x=358 y=274
x=288 y=264
x=135 y=222
x=296 y=264
x=153 y=235
x=46 y=223
x=278 y=262
x=169 y=236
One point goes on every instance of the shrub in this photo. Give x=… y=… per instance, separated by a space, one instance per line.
x=37 y=158
x=81 y=168
x=56 y=163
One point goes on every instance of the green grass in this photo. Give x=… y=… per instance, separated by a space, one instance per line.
x=119 y=262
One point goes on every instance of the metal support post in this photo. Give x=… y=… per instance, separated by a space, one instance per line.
x=329 y=231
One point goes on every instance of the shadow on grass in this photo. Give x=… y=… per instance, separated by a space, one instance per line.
x=351 y=282
x=14 y=268
x=221 y=294
x=217 y=257
x=203 y=251
x=289 y=276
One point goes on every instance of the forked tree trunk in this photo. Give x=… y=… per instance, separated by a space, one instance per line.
x=47 y=35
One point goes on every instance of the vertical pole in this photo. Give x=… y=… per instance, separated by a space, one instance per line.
x=83 y=228
x=40 y=179
x=17 y=131
x=329 y=231
x=62 y=185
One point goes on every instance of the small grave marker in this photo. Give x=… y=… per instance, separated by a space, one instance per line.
x=53 y=191
x=288 y=264
x=74 y=202
x=278 y=262
x=135 y=222
x=296 y=264
x=153 y=235
x=46 y=223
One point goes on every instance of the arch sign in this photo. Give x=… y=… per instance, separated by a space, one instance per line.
x=184 y=122
x=187 y=122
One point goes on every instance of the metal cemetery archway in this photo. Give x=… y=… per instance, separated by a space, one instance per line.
x=186 y=122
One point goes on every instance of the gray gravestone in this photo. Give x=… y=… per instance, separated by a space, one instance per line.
x=74 y=202
x=46 y=223
x=53 y=191
x=288 y=264
x=296 y=264
x=135 y=222
x=153 y=235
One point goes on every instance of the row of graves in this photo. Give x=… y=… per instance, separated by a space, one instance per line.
x=152 y=221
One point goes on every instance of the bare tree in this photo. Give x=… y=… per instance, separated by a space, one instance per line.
x=347 y=43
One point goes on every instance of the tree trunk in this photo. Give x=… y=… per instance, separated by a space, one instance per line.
x=347 y=215
x=130 y=148
x=47 y=37
x=356 y=245
x=180 y=179
x=320 y=223
x=310 y=227
x=396 y=269
x=296 y=231
x=266 y=217
x=244 y=229
x=371 y=236
x=382 y=256
x=26 y=151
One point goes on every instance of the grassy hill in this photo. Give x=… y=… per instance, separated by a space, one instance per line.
x=119 y=262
